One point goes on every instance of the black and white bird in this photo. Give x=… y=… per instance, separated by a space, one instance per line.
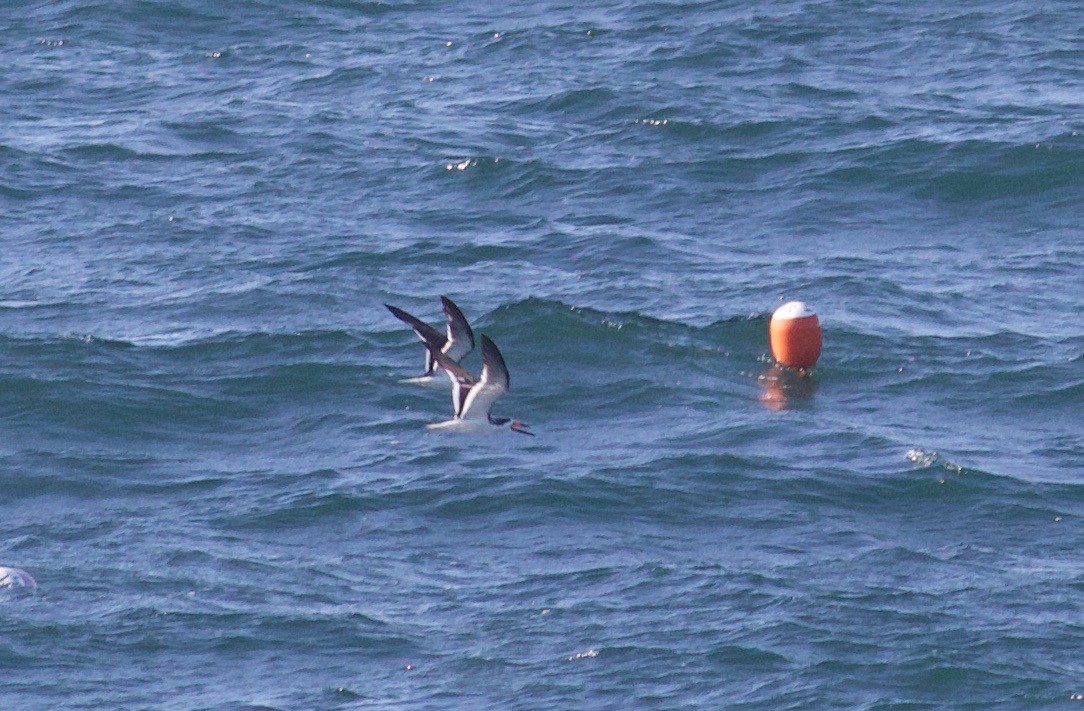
x=457 y=344
x=472 y=398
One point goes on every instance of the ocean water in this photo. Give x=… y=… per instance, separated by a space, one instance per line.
x=229 y=501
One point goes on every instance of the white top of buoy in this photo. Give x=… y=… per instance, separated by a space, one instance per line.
x=792 y=310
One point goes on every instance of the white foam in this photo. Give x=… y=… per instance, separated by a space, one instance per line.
x=16 y=578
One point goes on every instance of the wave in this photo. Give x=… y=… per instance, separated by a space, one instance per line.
x=622 y=359
x=115 y=152
x=961 y=171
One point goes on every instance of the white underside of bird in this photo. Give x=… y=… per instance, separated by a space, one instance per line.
x=464 y=426
x=428 y=381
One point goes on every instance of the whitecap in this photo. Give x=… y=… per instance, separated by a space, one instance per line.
x=16 y=578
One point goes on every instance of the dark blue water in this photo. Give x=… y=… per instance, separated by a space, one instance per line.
x=229 y=500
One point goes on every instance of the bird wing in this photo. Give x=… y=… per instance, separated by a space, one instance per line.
x=463 y=383
x=493 y=383
x=426 y=334
x=460 y=336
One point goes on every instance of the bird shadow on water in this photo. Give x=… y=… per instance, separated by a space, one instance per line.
x=786 y=389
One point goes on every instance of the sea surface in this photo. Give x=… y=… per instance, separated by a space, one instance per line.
x=229 y=500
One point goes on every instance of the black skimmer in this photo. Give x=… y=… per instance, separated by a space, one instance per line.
x=458 y=343
x=472 y=398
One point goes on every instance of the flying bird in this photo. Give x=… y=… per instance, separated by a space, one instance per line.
x=457 y=344
x=472 y=398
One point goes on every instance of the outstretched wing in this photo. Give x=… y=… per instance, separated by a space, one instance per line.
x=463 y=383
x=426 y=333
x=460 y=335
x=493 y=383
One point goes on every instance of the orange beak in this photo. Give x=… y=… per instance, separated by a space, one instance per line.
x=518 y=426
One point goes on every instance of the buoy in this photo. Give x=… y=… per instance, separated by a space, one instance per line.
x=795 y=335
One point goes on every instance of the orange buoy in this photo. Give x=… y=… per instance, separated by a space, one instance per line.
x=795 y=334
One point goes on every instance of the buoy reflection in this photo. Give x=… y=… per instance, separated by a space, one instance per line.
x=782 y=388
